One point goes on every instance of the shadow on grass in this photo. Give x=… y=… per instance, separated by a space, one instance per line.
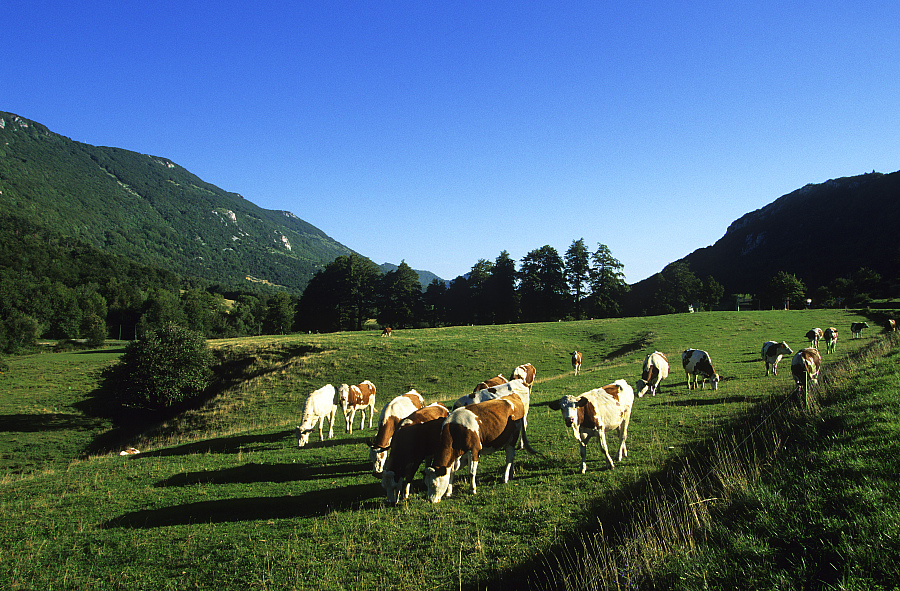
x=252 y=473
x=311 y=504
x=33 y=423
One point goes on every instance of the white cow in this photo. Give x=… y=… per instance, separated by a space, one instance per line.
x=320 y=405
x=595 y=412
x=654 y=371
x=772 y=353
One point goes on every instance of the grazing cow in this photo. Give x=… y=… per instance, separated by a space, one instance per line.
x=495 y=381
x=890 y=325
x=388 y=422
x=417 y=438
x=654 y=371
x=856 y=328
x=814 y=336
x=320 y=405
x=831 y=337
x=772 y=353
x=358 y=398
x=698 y=368
x=576 y=361
x=386 y=332
x=475 y=430
x=595 y=412
x=805 y=367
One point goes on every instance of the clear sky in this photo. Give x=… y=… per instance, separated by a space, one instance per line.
x=441 y=133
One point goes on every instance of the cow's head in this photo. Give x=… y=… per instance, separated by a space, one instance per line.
x=302 y=436
x=641 y=387
x=569 y=406
x=714 y=381
x=438 y=482
x=378 y=457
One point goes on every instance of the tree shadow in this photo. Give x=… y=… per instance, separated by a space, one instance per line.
x=312 y=504
x=32 y=423
x=252 y=473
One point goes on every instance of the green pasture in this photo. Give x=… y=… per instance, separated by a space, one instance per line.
x=221 y=497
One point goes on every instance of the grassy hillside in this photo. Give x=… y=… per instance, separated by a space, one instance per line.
x=222 y=498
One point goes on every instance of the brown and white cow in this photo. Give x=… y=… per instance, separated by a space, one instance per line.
x=525 y=372
x=890 y=325
x=805 y=367
x=698 y=368
x=772 y=353
x=595 y=412
x=576 y=361
x=495 y=381
x=320 y=405
x=831 y=337
x=357 y=398
x=386 y=332
x=388 y=422
x=856 y=328
x=654 y=371
x=814 y=335
x=476 y=430
x=416 y=440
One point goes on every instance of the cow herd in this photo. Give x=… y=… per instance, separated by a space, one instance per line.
x=493 y=416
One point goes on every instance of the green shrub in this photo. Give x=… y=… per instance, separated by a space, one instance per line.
x=166 y=366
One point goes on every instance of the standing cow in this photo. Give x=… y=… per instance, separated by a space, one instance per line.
x=595 y=412
x=388 y=422
x=358 y=398
x=805 y=368
x=814 y=335
x=856 y=328
x=890 y=325
x=772 y=353
x=576 y=361
x=698 y=368
x=475 y=430
x=417 y=438
x=654 y=371
x=320 y=405
x=831 y=337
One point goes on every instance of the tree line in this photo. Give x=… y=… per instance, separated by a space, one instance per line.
x=55 y=287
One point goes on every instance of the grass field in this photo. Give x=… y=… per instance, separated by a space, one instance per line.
x=221 y=497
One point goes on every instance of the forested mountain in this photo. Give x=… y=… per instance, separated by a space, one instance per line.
x=153 y=211
x=818 y=233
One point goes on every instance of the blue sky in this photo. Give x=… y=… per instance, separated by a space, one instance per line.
x=441 y=133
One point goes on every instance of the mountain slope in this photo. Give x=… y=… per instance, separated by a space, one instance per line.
x=818 y=233
x=153 y=211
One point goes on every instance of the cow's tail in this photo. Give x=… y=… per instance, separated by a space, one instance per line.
x=527 y=445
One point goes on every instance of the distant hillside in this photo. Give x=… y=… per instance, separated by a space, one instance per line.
x=153 y=211
x=425 y=277
x=818 y=233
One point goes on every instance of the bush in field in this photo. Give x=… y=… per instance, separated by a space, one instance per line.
x=167 y=365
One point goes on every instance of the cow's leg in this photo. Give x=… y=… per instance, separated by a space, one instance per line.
x=623 y=435
x=350 y=416
x=473 y=468
x=321 y=424
x=510 y=457
x=606 y=447
x=331 y=424
x=362 y=419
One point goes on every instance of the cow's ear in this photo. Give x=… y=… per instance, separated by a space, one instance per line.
x=555 y=404
x=582 y=401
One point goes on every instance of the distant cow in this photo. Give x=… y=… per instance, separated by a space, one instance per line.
x=417 y=438
x=388 y=422
x=357 y=398
x=856 y=328
x=595 y=412
x=831 y=337
x=386 y=332
x=814 y=335
x=475 y=430
x=805 y=367
x=576 y=361
x=698 y=368
x=772 y=353
x=495 y=381
x=890 y=325
x=654 y=371
x=319 y=405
